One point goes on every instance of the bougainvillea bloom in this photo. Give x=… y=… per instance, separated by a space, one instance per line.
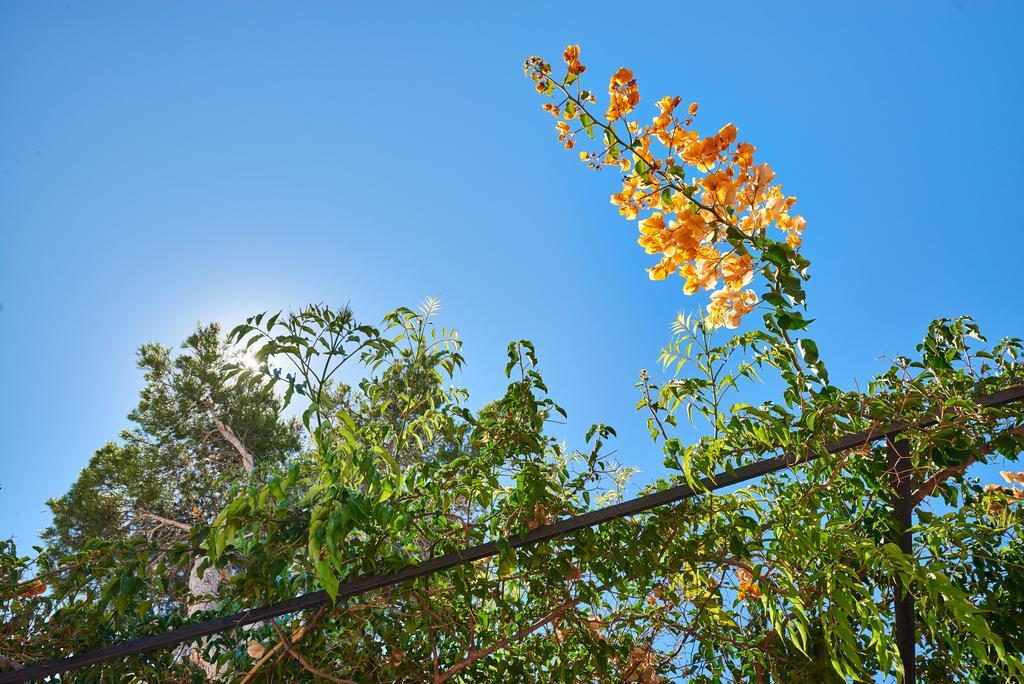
x=702 y=203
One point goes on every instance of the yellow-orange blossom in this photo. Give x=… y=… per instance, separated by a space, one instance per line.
x=684 y=223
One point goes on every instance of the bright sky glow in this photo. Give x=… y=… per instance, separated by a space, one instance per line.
x=163 y=164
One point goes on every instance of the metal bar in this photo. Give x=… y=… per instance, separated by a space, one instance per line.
x=900 y=471
x=450 y=560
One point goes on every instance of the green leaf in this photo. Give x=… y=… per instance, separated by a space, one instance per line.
x=791 y=320
x=588 y=124
x=327 y=579
x=808 y=349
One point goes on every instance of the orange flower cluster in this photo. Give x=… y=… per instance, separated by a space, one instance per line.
x=623 y=94
x=696 y=201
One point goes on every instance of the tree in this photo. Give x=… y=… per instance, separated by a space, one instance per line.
x=789 y=578
x=194 y=433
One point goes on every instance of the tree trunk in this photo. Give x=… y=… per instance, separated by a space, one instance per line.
x=203 y=593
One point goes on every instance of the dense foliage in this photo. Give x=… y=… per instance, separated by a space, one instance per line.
x=789 y=578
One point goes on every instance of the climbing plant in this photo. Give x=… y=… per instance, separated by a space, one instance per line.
x=789 y=578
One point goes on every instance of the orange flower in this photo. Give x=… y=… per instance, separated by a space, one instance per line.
x=563 y=130
x=763 y=175
x=622 y=76
x=702 y=273
x=682 y=138
x=655 y=243
x=623 y=94
x=661 y=270
x=571 y=57
x=726 y=135
x=705 y=152
x=744 y=156
x=719 y=188
x=737 y=271
x=666 y=105
x=727 y=307
x=747 y=587
x=796 y=229
x=654 y=223
x=686 y=236
x=624 y=200
x=776 y=205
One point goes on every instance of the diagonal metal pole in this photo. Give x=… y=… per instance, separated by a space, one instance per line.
x=903 y=519
x=362 y=585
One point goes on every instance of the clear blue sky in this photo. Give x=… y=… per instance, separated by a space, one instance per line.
x=168 y=163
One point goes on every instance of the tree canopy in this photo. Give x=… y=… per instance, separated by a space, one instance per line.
x=217 y=500
x=179 y=460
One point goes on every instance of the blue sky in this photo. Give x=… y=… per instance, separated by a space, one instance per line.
x=164 y=164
